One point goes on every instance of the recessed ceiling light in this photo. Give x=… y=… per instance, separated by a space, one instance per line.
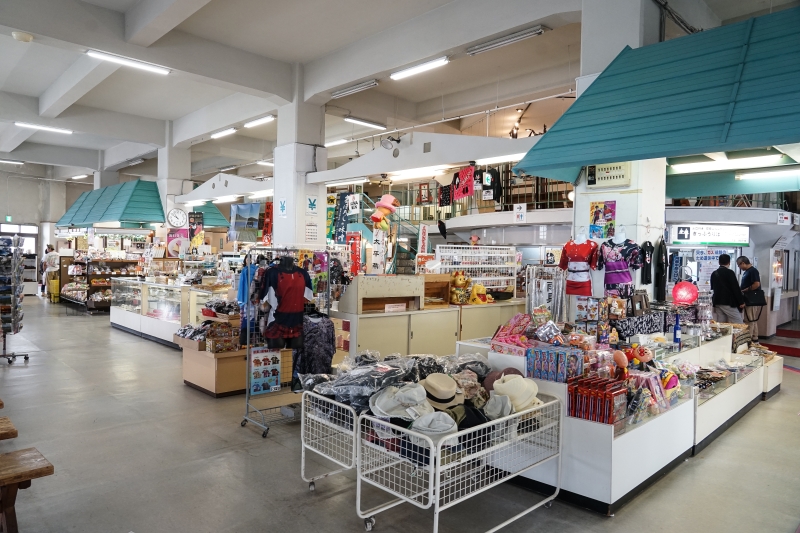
x=80 y=176
x=336 y=143
x=399 y=75
x=354 y=89
x=43 y=128
x=141 y=65
x=367 y=123
x=265 y=163
x=259 y=121
x=11 y=162
x=223 y=133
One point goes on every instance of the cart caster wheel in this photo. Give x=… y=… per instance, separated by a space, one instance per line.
x=27 y=357
x=548 y=505
x=264 y=435
x=244 y=423
x=10 y=360
x=369 y=523
x=312 y=487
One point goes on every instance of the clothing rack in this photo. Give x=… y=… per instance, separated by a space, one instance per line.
x=257 y=349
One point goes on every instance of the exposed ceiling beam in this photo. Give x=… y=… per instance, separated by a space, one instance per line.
x=230 y=111
x=436 y=33
x=80 y=26
x=80 y=78
x=237 y=147
x=149 y=20
x=45 y=154
x=12 y=136
x=118 y=156
x=82 y=119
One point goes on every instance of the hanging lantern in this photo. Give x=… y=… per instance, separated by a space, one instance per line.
x=684 y=293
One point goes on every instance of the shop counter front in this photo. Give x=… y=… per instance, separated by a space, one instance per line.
x=150 y=310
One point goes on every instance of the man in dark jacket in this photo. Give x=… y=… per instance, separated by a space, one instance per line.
x=727 y=299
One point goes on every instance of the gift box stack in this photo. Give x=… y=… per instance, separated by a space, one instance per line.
x=222 y=337
x=593 y=315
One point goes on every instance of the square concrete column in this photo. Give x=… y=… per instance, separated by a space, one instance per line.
x=174 y=169
x=103 y=178
x=299 y=208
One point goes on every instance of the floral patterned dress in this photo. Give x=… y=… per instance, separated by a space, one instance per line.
x=618 y=260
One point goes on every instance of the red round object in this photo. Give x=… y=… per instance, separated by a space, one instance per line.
x=684 y=293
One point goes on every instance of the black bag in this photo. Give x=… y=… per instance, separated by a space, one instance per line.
x=755 y=298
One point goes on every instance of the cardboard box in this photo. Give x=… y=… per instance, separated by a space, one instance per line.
x=200 y=346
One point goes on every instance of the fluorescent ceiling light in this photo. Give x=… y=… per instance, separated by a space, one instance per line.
x=422 y=172
x=259 y=121
x=11 y=162
x=399 y=75
x=508 y=39
x=80 y=176
x=135 y=162
x=43 y=128
x=336 y=143
x=226 y=199
x=355 y=89
x=128 y=62
x=499 y=159
x=262 y=194
x=793 y=172
x=195 y=203
x=727 y=164
x=358 y=181
x=265 y=163
x=225 y=169
x=362 y=122
x=223 y=133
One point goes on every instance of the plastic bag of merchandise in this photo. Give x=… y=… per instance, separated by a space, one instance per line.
x=366 y=357
x=425 y=365
x=310 y=381
x=356 y=386
x=475 y=362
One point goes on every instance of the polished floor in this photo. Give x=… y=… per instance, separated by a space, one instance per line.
x=136 y=450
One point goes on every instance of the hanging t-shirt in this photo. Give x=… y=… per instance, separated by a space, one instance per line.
x=444 y=196
x=577 y=260
x=494 y=184
x=618 y=260
x=647 y=262
x=463 y=185
x=287 y=293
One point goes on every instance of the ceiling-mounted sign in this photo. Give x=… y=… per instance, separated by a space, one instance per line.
x=696 y=234
x=784 y=218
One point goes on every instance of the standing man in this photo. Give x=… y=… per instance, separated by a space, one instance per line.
x=51 y=263
x=751 y=280
x=728 y=299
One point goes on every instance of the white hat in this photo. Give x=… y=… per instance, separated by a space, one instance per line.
x=521 y=391
x=498 y=406
x=436 y=426
x=394 y=402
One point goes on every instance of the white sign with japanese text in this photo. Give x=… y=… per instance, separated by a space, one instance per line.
x=707 y=235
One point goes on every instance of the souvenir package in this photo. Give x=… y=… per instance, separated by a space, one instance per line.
x=574 y=364
x=540 y=315
x=591 y=328
x=617 y=308
x=582 y=313
x=516 y=326
x=580 y=326
x=596 y=309
x=603 y=331
x=550 y=333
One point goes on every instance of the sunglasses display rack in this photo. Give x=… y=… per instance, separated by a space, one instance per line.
x=12 y=267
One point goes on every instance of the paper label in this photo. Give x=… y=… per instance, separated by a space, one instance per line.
x=394 y=308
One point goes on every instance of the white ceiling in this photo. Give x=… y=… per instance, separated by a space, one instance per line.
x=299 y=31
x=148 y=95
x=76 y=140
x=116 y=5
x=30 y=68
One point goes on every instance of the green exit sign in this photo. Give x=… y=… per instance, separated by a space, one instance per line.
x=8 y=218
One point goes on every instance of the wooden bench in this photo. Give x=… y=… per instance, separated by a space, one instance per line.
x=7 y=429
x=17 y=469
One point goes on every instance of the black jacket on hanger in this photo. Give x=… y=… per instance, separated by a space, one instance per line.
x=647 y=262
x=662 y=266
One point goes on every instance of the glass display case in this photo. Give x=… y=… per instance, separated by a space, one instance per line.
x=197 y=299
x=162 y=302
x=126 y=294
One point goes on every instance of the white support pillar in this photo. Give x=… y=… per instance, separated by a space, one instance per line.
x=104 y=178
x=174 y=168
x=299 y=209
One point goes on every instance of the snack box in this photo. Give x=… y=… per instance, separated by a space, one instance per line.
x=552 y=359
x=561 y=368
x=583 y=308
x=591 y=328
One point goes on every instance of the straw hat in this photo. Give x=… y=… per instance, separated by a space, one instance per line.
x=521 y=391
x=442 y=391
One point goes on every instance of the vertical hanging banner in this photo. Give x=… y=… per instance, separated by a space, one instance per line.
x=177 y=242
x=423 y=238
x=265 y=370
x=353 y=203
x=354 y=250
x=340 y=228
x=378 y=252
x=463 y=185
x=266 y=235
x=244 y=222
x=330 y=216
x=197 y=234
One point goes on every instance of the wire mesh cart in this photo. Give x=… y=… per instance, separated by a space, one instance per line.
x=409 y=466
x=328 y=428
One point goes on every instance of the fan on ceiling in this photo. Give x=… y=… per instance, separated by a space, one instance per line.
x=387 y=142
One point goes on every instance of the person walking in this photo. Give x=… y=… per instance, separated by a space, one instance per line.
x=51 y=262
x=727 y=299
x=751 y=280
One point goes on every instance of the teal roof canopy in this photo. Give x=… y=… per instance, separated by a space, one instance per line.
x=212 y=216
x=728 y=88
x=130 y=203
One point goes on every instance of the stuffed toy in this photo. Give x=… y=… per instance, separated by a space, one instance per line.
x=458 y=287
x=478 y=295
x=474 y=240
x=387 y=205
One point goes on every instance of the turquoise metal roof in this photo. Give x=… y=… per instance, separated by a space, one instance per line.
x=728 y=88
x=725 y=184
x=212 y=216
x=132 y=202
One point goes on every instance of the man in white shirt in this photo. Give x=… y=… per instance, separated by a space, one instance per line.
x=51 y=263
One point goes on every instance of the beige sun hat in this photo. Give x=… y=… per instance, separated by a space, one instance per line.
x=442 y=391
x=407 y=402
x=521 y=391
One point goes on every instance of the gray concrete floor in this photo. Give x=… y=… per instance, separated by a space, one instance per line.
x=136 y=450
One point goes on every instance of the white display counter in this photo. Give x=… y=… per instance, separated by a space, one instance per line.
x=773 y=377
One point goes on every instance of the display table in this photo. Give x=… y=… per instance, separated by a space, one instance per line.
x=216 y=374
x=482 y=346
x=483 y=320
x=773 y=377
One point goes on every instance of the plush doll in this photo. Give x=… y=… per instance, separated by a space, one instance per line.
x=478 y=295
x=458 y=287
x=474 y=240
x=387 y=205
x=621 y=360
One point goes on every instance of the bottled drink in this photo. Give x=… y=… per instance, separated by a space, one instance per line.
x=676 y=336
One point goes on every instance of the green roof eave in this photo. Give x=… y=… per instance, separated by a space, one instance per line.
x=133 y=202
x=212 y=216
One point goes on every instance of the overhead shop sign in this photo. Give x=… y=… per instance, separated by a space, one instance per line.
x=694 y=234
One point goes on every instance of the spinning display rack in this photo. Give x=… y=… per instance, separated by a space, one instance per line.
x=494 y=267
x=12 y=267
